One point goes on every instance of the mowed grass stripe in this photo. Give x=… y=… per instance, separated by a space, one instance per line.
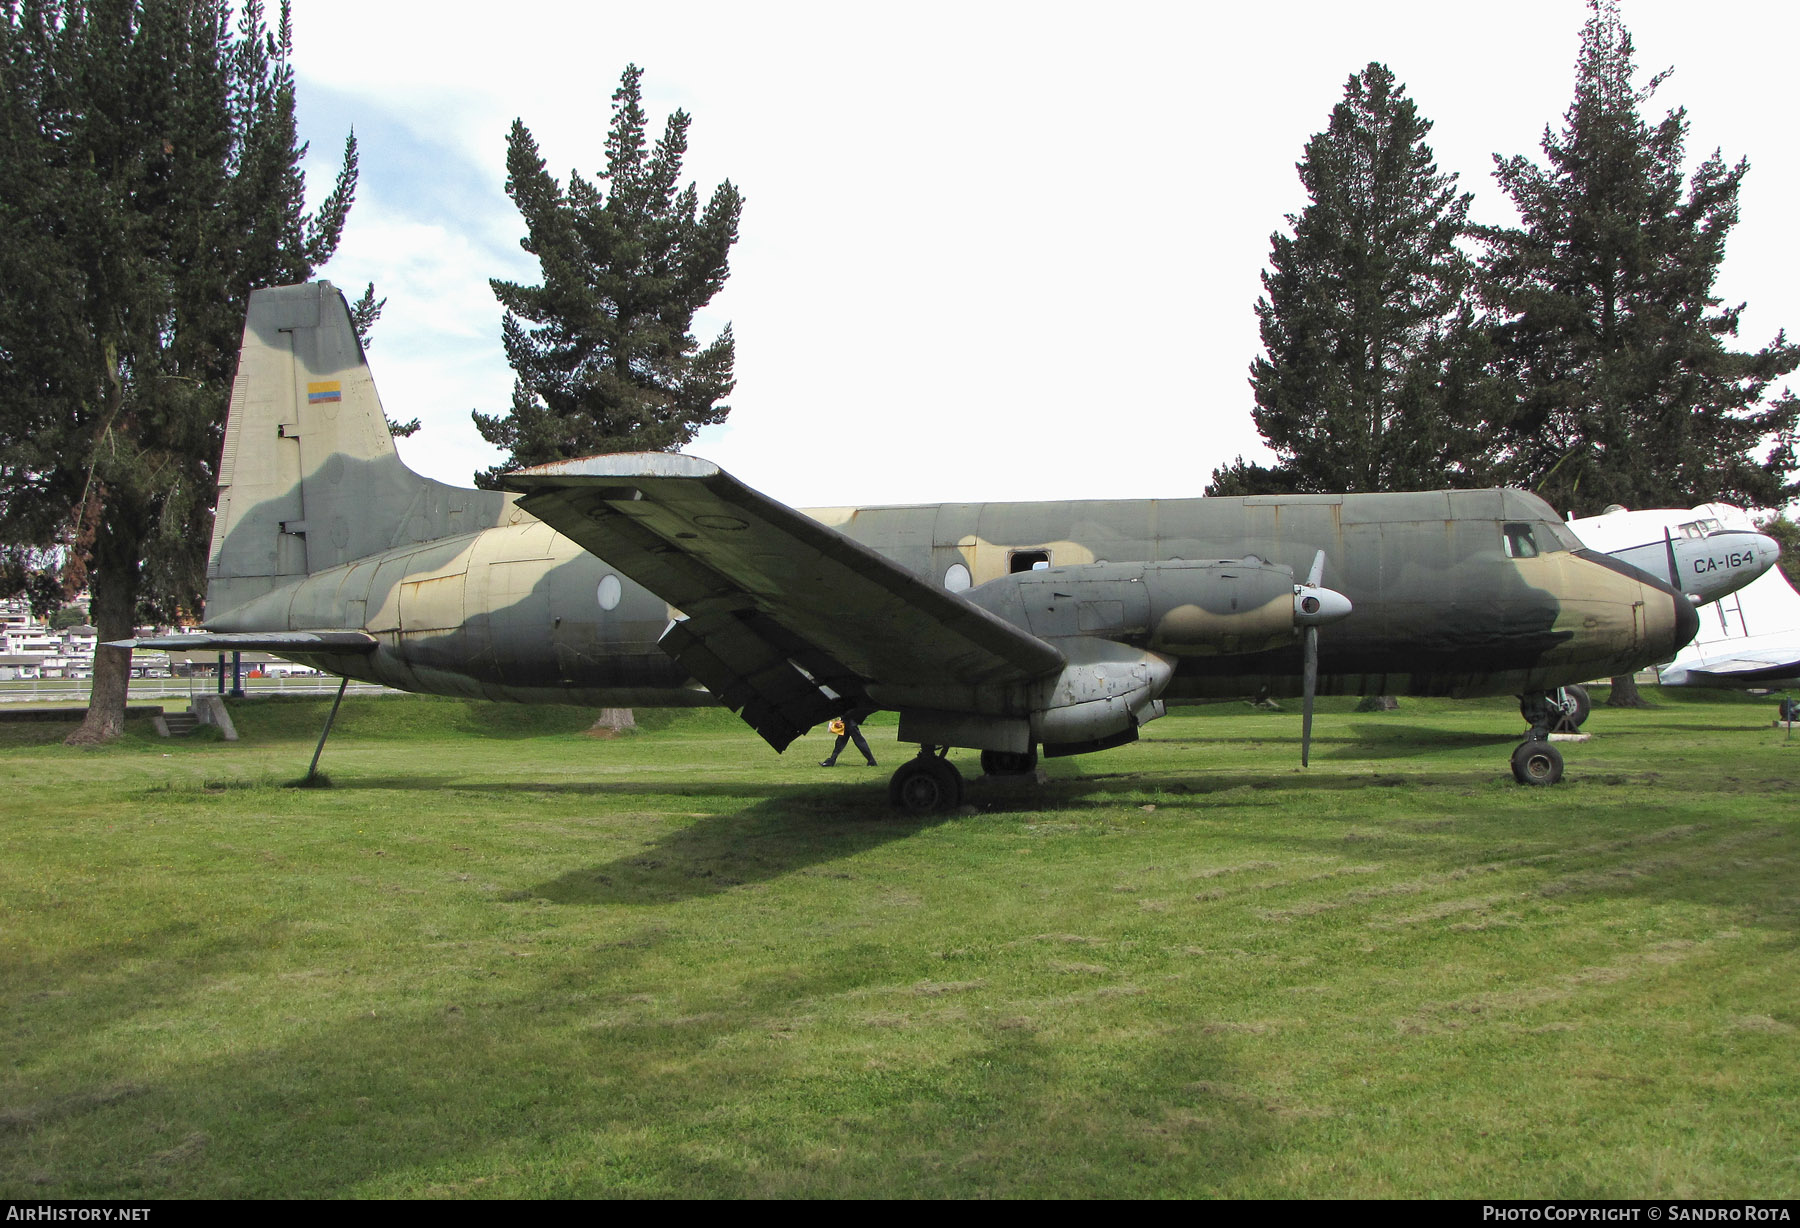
x=502 y=958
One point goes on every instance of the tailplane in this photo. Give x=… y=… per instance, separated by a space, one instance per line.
x=309 y=478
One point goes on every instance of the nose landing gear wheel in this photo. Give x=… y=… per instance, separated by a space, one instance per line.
x=1537 y=763
x=925 y=785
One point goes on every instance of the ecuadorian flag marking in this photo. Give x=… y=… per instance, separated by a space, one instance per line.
x=318 y=394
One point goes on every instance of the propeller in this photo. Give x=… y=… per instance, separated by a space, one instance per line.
x=1313 y=608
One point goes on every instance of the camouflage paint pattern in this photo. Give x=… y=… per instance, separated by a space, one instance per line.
x=321 y=527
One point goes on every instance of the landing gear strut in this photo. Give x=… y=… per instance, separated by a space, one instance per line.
x=1576 y=706
x=927 y=783
x=1537 y=761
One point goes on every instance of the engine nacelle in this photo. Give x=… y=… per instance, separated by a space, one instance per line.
x=1101 y=698
x=1199 y=607
x=1120 y=626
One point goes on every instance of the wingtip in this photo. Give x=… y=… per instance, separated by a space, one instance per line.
x=613 y=467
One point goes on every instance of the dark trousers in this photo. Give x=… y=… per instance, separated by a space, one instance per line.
x=851 y=732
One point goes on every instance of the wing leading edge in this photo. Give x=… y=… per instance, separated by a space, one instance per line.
x=787 y=621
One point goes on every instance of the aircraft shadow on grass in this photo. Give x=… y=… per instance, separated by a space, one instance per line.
x=1383 y=741
x=656 y=787
x=1360 y=737
x=790 y=831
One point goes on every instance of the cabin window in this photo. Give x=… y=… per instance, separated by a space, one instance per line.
x=610 y=593
x=956 y=579
x=1028 y=560
x=1519 y=542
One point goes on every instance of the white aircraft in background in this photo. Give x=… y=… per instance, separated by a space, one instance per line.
x=1706 y=552
x=1751 y=636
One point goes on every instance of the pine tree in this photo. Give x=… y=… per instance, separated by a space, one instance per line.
x=1787 y=534
x=1607 y=324
x=603 y=351
x=1372 y=369
x=152 y=165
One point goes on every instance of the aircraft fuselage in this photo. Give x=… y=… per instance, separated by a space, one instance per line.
x=1455 y=594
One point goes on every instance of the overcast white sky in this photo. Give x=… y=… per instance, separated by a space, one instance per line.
x=989 y=250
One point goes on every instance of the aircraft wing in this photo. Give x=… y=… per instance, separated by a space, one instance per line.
x=1749 y=665
x=255 y=641
x=788 y=621
x=1740 y=671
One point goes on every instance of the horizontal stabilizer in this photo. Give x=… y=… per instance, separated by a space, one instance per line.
x=258 y=641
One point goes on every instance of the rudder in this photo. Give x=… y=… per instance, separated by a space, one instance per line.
x=308 y=475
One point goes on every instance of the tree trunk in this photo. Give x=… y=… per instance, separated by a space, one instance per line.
x=1625 y=693
x=612 y=720
x=114 y=610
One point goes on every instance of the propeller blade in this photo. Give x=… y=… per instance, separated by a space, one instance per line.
x=1319 y=605
x=1310 y=685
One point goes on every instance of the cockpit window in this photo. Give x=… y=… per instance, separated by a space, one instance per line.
x=1519 y=542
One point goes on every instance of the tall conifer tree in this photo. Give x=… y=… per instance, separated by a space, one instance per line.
x=152 y=169
x=603 y=349
x=1607 y=327
x=1371 y=369
x=1619 y=352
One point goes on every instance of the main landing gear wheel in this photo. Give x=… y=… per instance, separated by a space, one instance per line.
x=1576 y=706
x=1560 y=711
x=926 y=784
x=1537 y=763
x=1008 y=763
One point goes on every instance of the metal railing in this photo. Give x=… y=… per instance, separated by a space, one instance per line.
x=75 y=690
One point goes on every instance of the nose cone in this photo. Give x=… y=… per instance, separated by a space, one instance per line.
x=1768 y=551
x=1318 y=607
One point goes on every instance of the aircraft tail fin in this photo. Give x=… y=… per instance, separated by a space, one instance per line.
x=309 y=477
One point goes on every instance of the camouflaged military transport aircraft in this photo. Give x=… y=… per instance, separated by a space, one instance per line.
x=1007 y=628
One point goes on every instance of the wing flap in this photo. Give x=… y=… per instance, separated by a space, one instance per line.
x=751 y=675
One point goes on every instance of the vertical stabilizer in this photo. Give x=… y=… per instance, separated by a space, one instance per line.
x=309 y=478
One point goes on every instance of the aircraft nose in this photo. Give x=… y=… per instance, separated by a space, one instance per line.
x=1319 y=607
x=1768 y=550
x=1687 y=622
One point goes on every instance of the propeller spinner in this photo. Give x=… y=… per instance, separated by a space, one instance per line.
x=1314 y=607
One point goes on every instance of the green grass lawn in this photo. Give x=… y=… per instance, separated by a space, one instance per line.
x=502 y=958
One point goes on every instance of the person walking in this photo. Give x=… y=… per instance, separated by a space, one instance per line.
x=847 y=728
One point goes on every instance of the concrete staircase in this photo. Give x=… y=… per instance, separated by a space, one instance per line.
x=205 y=710
x=176 y=724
